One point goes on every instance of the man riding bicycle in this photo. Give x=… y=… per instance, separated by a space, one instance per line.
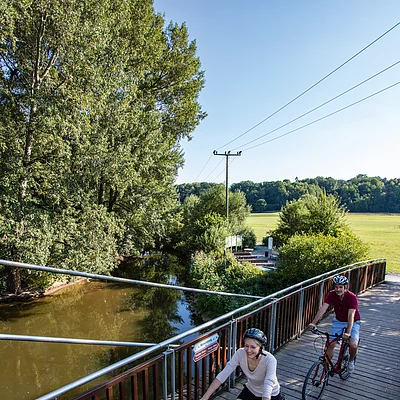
x=345 y=305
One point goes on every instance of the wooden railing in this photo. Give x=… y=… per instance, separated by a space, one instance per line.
x=284 y=316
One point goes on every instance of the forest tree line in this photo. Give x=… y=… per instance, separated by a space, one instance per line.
x=359 y=194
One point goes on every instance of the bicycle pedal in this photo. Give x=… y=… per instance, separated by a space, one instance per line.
x=331 y=373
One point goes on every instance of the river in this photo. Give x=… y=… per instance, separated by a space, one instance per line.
x=89 y=310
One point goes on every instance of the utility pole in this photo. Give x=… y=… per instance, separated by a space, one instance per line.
x=227 y=154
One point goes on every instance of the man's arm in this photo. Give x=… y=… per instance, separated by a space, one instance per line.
x=319 y=315
x=350 y=320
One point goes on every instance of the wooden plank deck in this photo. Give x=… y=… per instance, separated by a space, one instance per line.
x=376 y=375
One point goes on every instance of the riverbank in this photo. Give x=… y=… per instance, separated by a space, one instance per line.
x=29 y=295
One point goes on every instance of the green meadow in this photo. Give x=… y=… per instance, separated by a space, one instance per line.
x=380 y=231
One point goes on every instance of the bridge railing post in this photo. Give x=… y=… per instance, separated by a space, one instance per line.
x=358 y=279
x=300 y=313
x=272 y=325
x=321 y=293
x=166 y=353
x=232 y=349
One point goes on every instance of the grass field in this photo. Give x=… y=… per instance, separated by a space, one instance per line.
x=380 y=231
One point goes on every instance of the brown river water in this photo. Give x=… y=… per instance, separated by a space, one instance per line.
x=90 y=310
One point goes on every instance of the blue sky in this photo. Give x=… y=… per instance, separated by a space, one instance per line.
x=259 y=55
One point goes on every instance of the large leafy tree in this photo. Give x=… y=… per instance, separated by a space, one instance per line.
x=94 y=99
x=308 y=255
x=204 y=218
x=314 y=238
x=311 y=214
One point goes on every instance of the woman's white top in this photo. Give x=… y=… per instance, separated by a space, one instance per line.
x=262 y=382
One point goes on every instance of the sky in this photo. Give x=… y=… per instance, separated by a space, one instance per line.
x=259 y=55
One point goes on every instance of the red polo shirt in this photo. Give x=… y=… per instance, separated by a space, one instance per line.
x=342 y=306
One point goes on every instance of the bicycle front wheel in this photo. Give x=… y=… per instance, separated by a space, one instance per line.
x=344 y=373
x=316 y=380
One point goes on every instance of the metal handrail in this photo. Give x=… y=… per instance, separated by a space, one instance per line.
x=273 y=298
x=116 y=279
x=50 y=339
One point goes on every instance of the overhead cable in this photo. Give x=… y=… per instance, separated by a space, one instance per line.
x=213 y=169
x=311 y=87
x=321 y=105
x=230 y=162
x=197 y=177
x=320 y=119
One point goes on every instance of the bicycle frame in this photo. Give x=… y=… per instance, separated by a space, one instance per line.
x=334 y=368
x=318 y=375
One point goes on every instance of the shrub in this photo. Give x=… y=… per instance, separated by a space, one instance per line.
x=213 y=272
x=306 y=256
x=249 y=238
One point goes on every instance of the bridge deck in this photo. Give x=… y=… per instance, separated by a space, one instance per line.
x=378 y=363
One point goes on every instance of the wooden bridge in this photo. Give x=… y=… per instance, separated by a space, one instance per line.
x=378 y=363
x=284 y=315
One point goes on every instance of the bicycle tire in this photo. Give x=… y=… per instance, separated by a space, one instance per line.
x=316 y=381
x=344 y=373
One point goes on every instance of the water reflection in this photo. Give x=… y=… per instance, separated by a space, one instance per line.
x=90 y=310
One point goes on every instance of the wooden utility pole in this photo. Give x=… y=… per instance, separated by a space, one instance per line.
x=227 y=154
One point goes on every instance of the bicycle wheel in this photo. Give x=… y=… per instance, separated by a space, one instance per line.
x=316 y=380
x=344 y=373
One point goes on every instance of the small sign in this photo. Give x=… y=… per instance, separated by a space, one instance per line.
x=205 y=352
x=205 y=347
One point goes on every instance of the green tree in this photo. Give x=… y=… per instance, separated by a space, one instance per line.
x=204 y=219
x=311 y=214
x=307 y=255
x=222 y=274
x=94 y=100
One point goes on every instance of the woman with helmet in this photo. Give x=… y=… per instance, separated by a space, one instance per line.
x=258 y=365
x=345 y=305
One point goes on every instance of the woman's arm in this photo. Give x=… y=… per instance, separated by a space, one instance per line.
x=270 y=379
x=222 y=376
x=212 y=388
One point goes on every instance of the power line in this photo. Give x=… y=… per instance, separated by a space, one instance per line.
x=222 y=171
x=321 y=105
x=311 y=87
x=320 y=119
x=213 y=170
x=197 y=177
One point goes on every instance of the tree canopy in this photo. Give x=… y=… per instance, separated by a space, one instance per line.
x=95 y=98
x=310 y=215
x=314 y=237
x=204 y=219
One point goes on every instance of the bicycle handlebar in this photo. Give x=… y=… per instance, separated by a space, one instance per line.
x=317 y=331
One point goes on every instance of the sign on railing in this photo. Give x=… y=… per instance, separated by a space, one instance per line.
x=205 y=347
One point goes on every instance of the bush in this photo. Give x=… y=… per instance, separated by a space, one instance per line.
x=306 y=256
x=249 y=238
x=311 y=214
x=212 y=272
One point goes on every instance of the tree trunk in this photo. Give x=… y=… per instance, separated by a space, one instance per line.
x=14 y=280
x=100 y=199
x=112 y=199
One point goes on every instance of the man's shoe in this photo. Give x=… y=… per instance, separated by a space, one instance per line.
x=350 y=367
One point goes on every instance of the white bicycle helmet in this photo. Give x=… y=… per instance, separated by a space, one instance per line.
x=340 y=280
